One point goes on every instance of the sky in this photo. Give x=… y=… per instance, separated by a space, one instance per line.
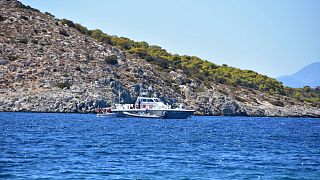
x=271 y=37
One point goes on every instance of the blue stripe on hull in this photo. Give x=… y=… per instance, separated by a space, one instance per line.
x=178 y=114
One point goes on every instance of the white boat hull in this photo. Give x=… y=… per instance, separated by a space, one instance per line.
x=107 y=115
x=141 y=115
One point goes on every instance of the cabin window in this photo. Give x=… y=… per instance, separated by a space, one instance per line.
x=144 y=100
x=149 y=100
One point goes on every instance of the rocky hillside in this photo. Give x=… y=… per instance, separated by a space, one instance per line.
x=47 y=66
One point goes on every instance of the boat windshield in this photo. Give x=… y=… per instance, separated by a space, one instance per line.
x=149 y=100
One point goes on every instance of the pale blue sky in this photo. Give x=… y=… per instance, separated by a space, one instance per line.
x=272 y=37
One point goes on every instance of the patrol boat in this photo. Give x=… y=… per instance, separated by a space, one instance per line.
x=148 y=107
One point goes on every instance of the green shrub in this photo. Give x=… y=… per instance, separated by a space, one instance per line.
x=81 y=29
x=34 y=41
x=64 y=32
x=27 y=7
x=277 y=103
x=49 y=14
x=240 y=99
x=78 y=69
x=24 y=17
x=2 y=18
x=13 y=57
x=63 y=85
x=112 y=59
x=222 y=92
x=23 y=40
x=68 y=22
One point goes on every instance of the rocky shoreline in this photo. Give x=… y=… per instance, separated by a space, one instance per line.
x=46 y=66
x=94 y=112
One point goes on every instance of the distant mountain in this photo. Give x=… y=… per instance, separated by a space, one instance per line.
x=307 y=76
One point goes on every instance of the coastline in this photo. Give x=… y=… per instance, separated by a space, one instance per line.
x=93 y=112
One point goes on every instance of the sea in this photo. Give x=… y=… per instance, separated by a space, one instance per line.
x=83 y=146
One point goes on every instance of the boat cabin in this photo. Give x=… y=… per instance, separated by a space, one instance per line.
x=149 y=103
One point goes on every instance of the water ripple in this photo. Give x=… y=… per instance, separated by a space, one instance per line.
x=76 y=146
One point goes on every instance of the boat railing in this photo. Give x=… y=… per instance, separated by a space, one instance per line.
x=124 y=106
x=142 y=106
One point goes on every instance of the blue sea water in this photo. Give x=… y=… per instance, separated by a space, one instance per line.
x=75 y=146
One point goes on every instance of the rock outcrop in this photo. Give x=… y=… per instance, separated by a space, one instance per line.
x=46 y=66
